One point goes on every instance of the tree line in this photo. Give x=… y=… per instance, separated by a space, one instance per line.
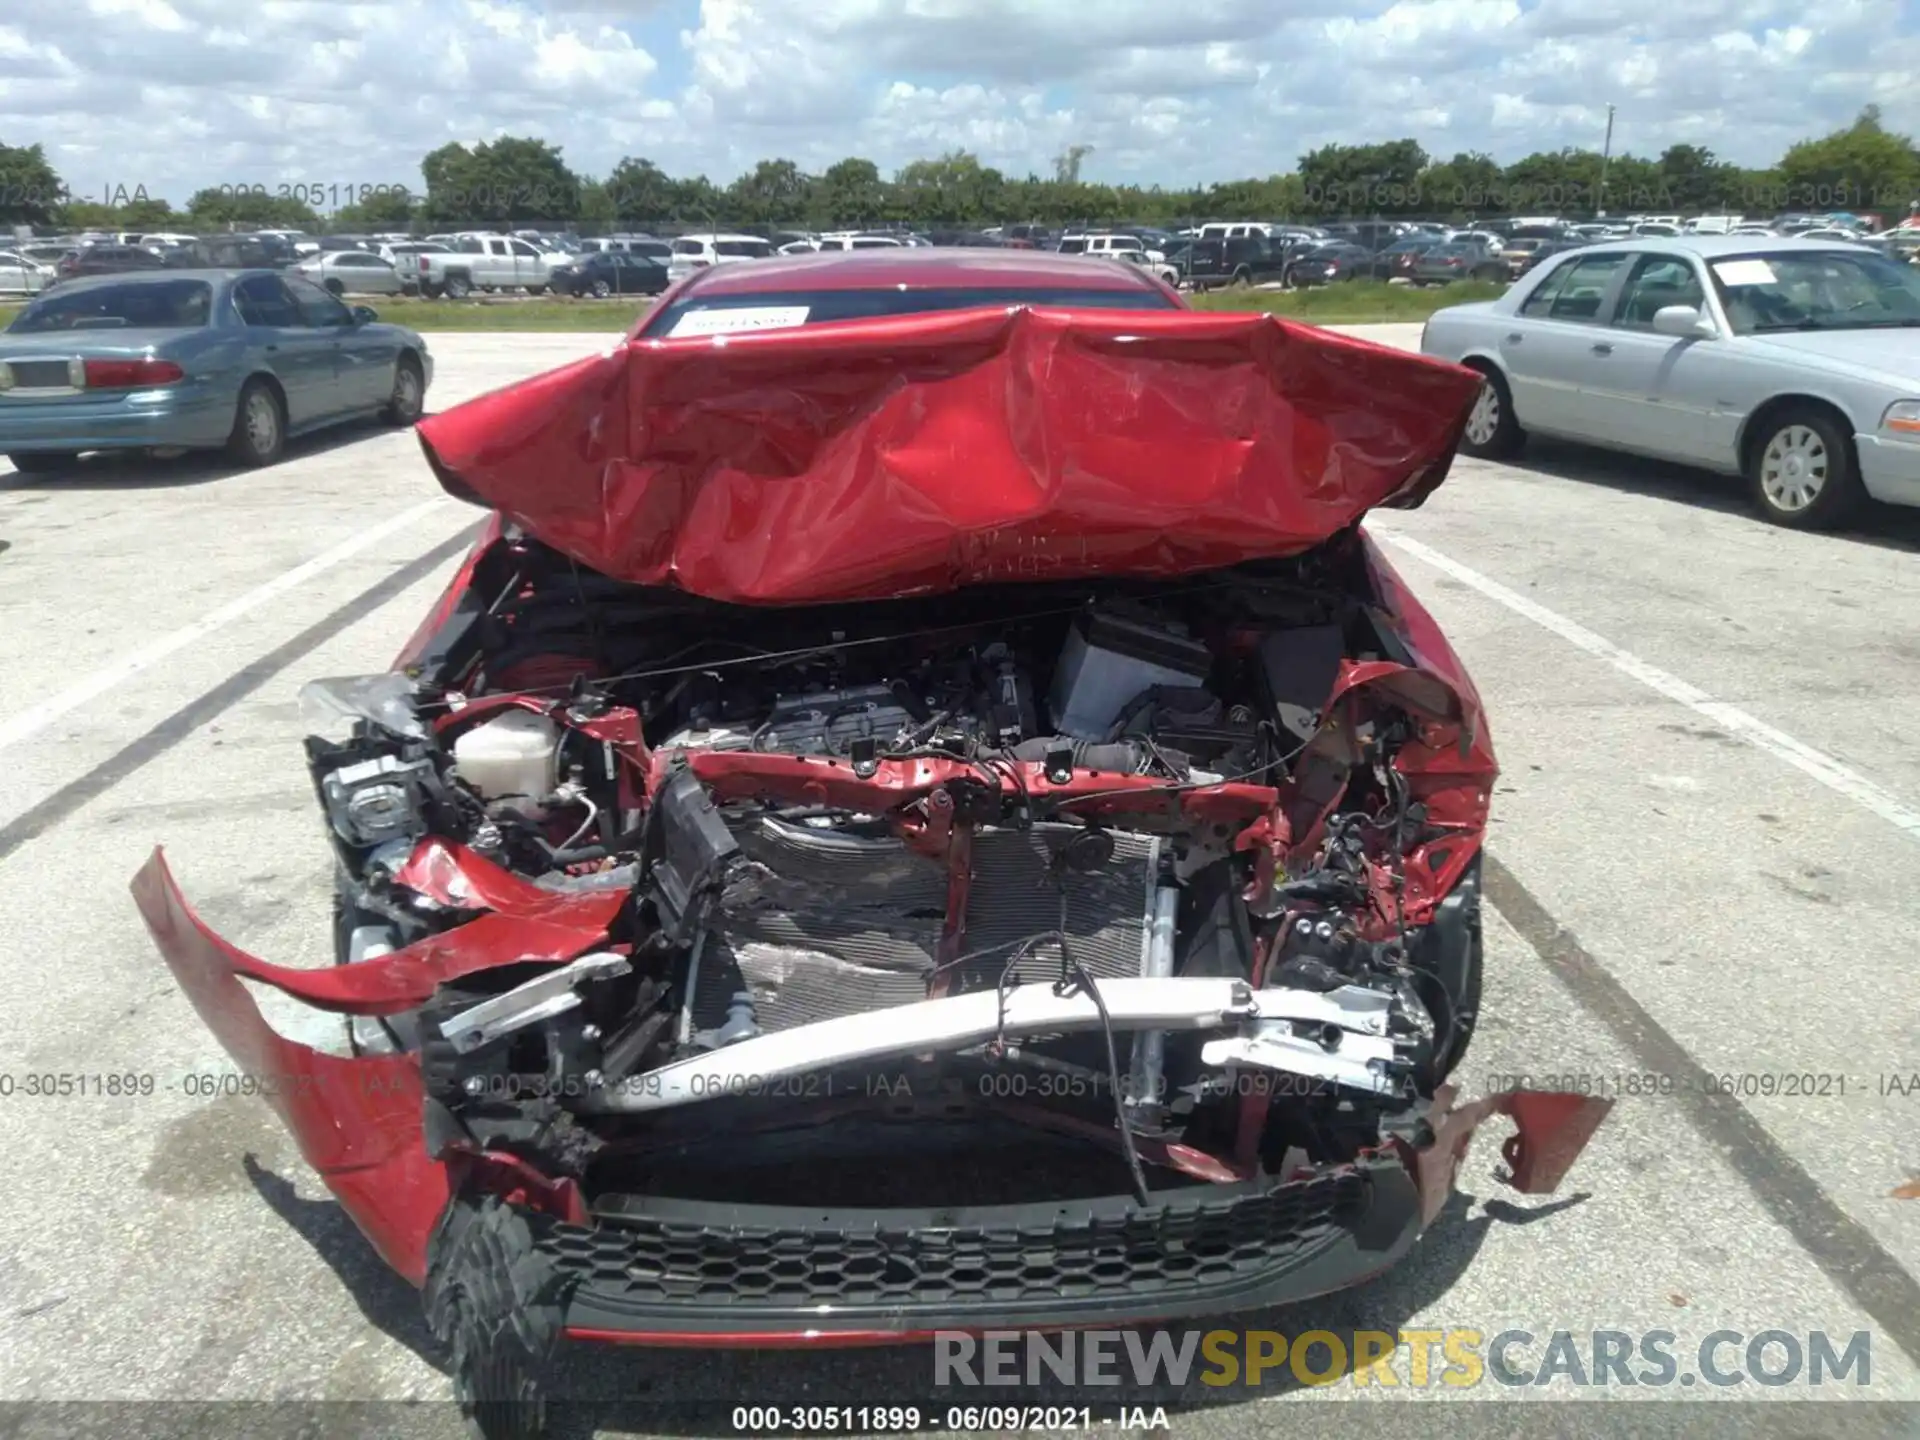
x=1864 y=168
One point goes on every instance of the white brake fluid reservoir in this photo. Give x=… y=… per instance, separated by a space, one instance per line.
x=512 y=755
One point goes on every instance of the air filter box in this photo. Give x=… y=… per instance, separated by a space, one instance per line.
x=1110 y=659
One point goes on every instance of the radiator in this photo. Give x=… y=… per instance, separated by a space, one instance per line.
x=819 y=924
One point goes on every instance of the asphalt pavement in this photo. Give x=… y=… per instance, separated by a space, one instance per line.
x=1704 y=850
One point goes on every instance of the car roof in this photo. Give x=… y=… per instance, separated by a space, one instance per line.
x=1710 y=246
x=956 y=269
x=154 y=277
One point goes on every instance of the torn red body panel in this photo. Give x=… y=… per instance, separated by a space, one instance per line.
x=923 y=453
x=357 y=1121
x=1551 y=1128
x=521 y=922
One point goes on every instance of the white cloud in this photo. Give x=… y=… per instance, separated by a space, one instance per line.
x=172 y=95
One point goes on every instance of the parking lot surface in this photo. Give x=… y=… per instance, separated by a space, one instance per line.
x=1704 y=847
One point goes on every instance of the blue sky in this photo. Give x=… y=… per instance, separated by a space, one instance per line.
x=175 y=94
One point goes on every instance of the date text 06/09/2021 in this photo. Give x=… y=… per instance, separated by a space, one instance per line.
x=960 y=1419
x=1735 y=1084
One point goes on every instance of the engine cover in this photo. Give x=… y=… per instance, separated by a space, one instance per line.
x=827 y=722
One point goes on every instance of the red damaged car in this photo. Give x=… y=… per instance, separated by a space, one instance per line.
x=923 y=810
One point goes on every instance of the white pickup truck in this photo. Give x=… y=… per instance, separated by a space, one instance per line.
x=484 y=262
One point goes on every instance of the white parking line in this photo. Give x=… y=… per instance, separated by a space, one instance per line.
x=30 y=722
x=1803 y=757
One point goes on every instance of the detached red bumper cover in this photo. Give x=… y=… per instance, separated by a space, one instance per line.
x=924 y=453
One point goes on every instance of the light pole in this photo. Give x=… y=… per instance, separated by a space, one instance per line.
x=1606 y=155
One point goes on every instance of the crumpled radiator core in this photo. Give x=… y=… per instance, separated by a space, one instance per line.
x=821 y=924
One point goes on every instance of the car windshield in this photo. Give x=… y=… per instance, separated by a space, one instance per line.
x=765 y=310
x=1824 y=290
x=153 y=305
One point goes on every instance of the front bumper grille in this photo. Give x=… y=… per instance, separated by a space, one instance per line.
x=688 y=1266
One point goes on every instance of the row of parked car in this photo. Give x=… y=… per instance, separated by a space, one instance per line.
x=1240 y=253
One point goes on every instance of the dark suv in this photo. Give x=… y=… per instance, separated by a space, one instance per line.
x=1243 y=261
x=241 y=252
x=1369 y=234
x=106 y=259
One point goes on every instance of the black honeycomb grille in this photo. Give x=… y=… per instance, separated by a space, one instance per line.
x=1000 y=1255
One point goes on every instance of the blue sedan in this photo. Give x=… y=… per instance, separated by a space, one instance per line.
x=234 y=360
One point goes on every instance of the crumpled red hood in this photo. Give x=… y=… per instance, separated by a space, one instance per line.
x=928 y=452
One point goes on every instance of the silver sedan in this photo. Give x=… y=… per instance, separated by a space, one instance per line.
x=352 y=272
x=1795 y=363
x=23 y=275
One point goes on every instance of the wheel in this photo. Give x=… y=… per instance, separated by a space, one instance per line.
x=495 y=1302
x=432 y=291
x=1492 y=433
x=409 y=393
x=458 y=287
x=43 y=462
x=535 y=289
x=259 y=426
x=336 y=289
x=1802 y=470
x=1242 y=280
x=601 y=289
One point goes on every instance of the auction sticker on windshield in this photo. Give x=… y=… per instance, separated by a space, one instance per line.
x=1745 y=272
x=728 y=322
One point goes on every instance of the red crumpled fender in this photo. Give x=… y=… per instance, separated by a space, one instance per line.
x=357 y=1120
x=917 y=454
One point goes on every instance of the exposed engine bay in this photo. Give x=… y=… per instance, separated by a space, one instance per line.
x=1181 y=874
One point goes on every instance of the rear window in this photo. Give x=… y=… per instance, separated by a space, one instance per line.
x=744 y=249
x=722 y=314
x=154 y=305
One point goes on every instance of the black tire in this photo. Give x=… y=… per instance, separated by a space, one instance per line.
x=254 y=441
x=535 y=289
x=1776 y=477
x=1503 y=438
x=496 y=1303
x=601 y=290
x=44 y=462
x=432 y=291
x=336 y=289
x=457 y=287
x=1242 y=279
x=409 y=400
